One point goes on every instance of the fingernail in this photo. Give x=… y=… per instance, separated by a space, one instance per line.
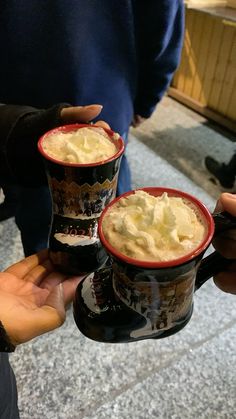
x=93 y=106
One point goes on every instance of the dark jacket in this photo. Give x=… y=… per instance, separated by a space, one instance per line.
x=20 y=130
x=8 y=391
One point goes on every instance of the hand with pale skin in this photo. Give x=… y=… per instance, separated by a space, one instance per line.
x=225 y=243
x=33 y=297
x=82 y=114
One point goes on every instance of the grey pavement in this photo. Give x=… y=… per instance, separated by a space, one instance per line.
x=64 y=375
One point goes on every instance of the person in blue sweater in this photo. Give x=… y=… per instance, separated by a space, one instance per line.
x=120 y=54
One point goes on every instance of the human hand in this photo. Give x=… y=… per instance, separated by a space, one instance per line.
x=83 y=114
x=225 y=243
x=33 y=297
x=137 y=120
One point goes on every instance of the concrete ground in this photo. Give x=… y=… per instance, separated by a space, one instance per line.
x=64 y=375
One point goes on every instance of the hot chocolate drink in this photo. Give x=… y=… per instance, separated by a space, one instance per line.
x=82 y=146
x=153 y=228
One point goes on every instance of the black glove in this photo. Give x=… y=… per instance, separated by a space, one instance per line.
x=20 y=130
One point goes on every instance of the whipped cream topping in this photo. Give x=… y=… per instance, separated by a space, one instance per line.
x=85 y=145
x=150 y=228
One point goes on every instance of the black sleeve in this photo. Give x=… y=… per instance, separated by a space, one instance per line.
x=5 y=344
x=20 y=130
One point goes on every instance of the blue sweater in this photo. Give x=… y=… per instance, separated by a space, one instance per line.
x=118 y=53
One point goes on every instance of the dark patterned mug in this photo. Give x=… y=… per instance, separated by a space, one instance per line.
x=133 y=299
x=80 y=191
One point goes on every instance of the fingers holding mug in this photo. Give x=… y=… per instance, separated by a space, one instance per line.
x=226 y=202
x=226 y=281
x=225 y=239
x=74 y=114
x=225 y=243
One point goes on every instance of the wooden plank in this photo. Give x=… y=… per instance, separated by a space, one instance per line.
x=231 y=3
x=203 y=110
x=201 y=55
x=213 y=53
x=206 y=3
x=206 y=78
x=191 y=45
x=231 y=110
x=221 y=12
x=221 y=66
x=184 y=59
x=197 y=37
x=176 y=81
x=228 y=89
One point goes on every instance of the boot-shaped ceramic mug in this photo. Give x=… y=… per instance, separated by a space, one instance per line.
x=80 y=191
x=147 y=291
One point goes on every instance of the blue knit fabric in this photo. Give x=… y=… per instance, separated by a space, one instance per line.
x=118 y=53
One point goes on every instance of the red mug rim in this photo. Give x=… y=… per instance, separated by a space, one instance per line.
x=157 y=191
x=72 y=127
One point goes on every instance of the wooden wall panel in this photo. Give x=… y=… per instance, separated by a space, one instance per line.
x=204 y=28
x=228 y=90
x=207 y=71
x=225 y=47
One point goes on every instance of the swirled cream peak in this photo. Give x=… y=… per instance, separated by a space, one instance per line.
x=150 y=228
x=84 y=145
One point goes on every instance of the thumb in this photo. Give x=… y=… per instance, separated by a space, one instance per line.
x=84 y=114
x=51 y=315
x=54 y=313
x=69 y=288
x=226 y=202
x=55 y=300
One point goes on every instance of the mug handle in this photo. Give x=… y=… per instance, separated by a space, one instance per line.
x=215 y=262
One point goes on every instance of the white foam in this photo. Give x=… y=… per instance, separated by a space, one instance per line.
x=84 y=145
x=151 y=228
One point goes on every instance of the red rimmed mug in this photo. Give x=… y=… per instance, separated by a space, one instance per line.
x=135 y=299
x=79 y=194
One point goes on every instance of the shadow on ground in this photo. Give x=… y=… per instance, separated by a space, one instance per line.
x=185 y=148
